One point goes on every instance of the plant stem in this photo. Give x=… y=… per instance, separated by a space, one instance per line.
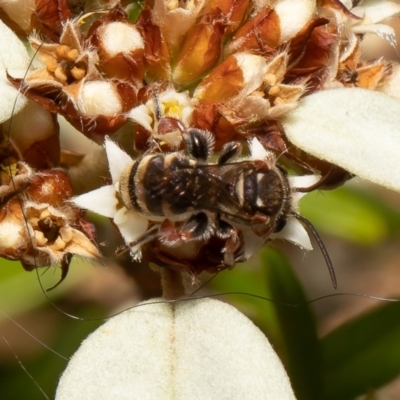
x=172 y=285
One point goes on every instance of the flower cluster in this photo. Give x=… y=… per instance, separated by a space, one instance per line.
x=145 y=75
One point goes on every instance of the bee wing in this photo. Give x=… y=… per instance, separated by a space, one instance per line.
x=224 y=179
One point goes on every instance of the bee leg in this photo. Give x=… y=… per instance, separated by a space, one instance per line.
x=197 y=227
x=229 y=150
x=199 y=144
x=150 y=234
x=228 y=233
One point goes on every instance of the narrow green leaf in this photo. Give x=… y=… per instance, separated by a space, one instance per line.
x=365 y=353
x=296 y=326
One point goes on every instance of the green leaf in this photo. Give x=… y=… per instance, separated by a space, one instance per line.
x=365 y=353
x=352 y=215
x=294 y=326
x=134 y=10
x=29 y=294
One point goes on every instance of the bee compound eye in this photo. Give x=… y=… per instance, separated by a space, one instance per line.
x=282 y=169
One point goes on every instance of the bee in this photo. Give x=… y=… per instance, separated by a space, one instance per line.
x=243 y=201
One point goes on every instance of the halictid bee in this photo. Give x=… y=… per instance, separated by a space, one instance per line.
x=243 y=201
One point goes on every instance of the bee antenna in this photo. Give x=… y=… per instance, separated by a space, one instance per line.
x=324 y=178
x=305 y=222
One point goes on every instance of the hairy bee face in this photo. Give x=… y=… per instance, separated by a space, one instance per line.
x=262 y=192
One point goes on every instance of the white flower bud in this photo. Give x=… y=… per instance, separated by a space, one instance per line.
x=253 y=68
x=14 y=59
x=99 y=98
x=293 y=15
x=118 y=37
x=197 y=350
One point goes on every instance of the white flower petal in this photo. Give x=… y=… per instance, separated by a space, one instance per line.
x=198 y=350
x=376 y=10
x=101 y=201
x=174 y=138
x=252 y=242
x=118 y=160
x=258 y=107
x=384 y=31
x=141 y=116
x=304 y=181
x=253 y=68
x=176 y=105
x=132 y=227
x=171 y=95
x=356 y=129
x=391 y=85
x=120 y=216
x=257 y=150
x=295 y=233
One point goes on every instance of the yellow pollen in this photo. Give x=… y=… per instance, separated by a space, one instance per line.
x=258 y=93
x=270 y=79
x=34 y=221
x=51 y=65
x=190 y=5
x=60 y=75
x=40 y=238
x=171 y=107
x=10 y=167
x=278 y=101
x=59 y=244
x=66 y=53
x=172 y=4
x=78 y=73
x=66 y=234
x=45 y=214
x=274 y=90
x=72 y=55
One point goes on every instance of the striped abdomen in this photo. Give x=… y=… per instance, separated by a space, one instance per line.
x=166 y=185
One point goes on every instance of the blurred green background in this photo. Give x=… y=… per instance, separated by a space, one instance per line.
x=335 y=348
